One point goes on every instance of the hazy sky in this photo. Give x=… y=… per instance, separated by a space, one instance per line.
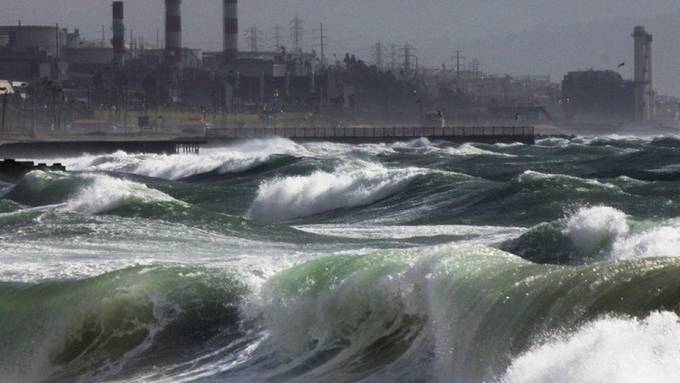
x=435 y=27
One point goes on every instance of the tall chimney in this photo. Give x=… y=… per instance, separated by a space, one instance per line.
x=644 y=88
x=173 y=32
x=118 y=28
x=230 y=30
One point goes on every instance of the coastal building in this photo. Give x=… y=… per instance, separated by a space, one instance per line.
x=597 y=95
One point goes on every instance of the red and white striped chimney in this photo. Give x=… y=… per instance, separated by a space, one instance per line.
x=230 y=30
x=118 y=28
x=173 y=31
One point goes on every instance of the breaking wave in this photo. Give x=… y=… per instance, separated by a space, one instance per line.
x=610 y=349
x=359 y=183
x=89 y=330
x=231 y=159
x=84 y=193
x=597 y=233
x=462 y=313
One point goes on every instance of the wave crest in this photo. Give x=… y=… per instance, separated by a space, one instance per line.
x=84 y=193
x=231 y=159
x=607 y=350
x=360 y=183
x=594 y=228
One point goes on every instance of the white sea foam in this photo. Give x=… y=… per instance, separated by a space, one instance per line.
x=530 y=176
x=594 y=228
x=618 y=350
x=471 y=150
x=663 y=241
x=102 y=193
x=470 y=234
x=356 y=184
x=553 y=142
x=607 y=231
x=234 y=158
x=89 y=193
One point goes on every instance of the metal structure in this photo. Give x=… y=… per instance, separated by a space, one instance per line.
x=644 y=87
x=230 y=30
x=379 y=54
x=278 y=38
x=173 y=32
x=31 y=40
x=118 y=28
x=408 y=55
x=252 y=38
x=296 y=33
x=323 y=41
x=482 y=134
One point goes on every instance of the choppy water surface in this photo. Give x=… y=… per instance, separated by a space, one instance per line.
x=270 y=261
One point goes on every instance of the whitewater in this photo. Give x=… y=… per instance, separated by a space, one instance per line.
x=417 y=261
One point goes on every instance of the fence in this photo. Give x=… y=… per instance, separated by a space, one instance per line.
x=375 y=132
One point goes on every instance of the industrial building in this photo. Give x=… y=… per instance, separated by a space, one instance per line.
x=598 y=95
x=604 y=95
x=30 y=53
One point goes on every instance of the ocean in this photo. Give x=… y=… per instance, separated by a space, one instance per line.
x=419 y=261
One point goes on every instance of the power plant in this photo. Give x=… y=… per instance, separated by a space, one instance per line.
x=118 y=40
x=604 y=95
x=230 y=30
x=122 y=83
x=173 y=32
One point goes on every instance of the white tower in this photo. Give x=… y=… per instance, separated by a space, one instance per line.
x=644 y=87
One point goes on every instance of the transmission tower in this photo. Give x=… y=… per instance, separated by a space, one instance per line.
x=277 y=37
x=408 y=54
x=379 y=53
x=458 y=60
x=323 y=41
x=251 y=38
x=296 y=34
x=393 y=56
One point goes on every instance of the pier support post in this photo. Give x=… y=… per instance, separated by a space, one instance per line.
x=4 y=115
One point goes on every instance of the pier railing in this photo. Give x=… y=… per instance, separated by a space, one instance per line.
x=375 y=132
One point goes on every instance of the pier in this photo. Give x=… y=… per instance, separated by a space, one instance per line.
x=12 y=171
x=75 y=146
x=163 y=144
x=474 y=134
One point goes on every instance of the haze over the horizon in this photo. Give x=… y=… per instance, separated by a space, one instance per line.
x=509 y=36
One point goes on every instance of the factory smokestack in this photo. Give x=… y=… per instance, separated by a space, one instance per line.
x=118 y=28
x=230 y=30
x=173 y=32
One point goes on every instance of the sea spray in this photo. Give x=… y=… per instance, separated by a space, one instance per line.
x=88 y=193
x=355 y=184
x=595 y=228
x=610 y=349
x=367 y=297
x=597 y=233
x=230 y=159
